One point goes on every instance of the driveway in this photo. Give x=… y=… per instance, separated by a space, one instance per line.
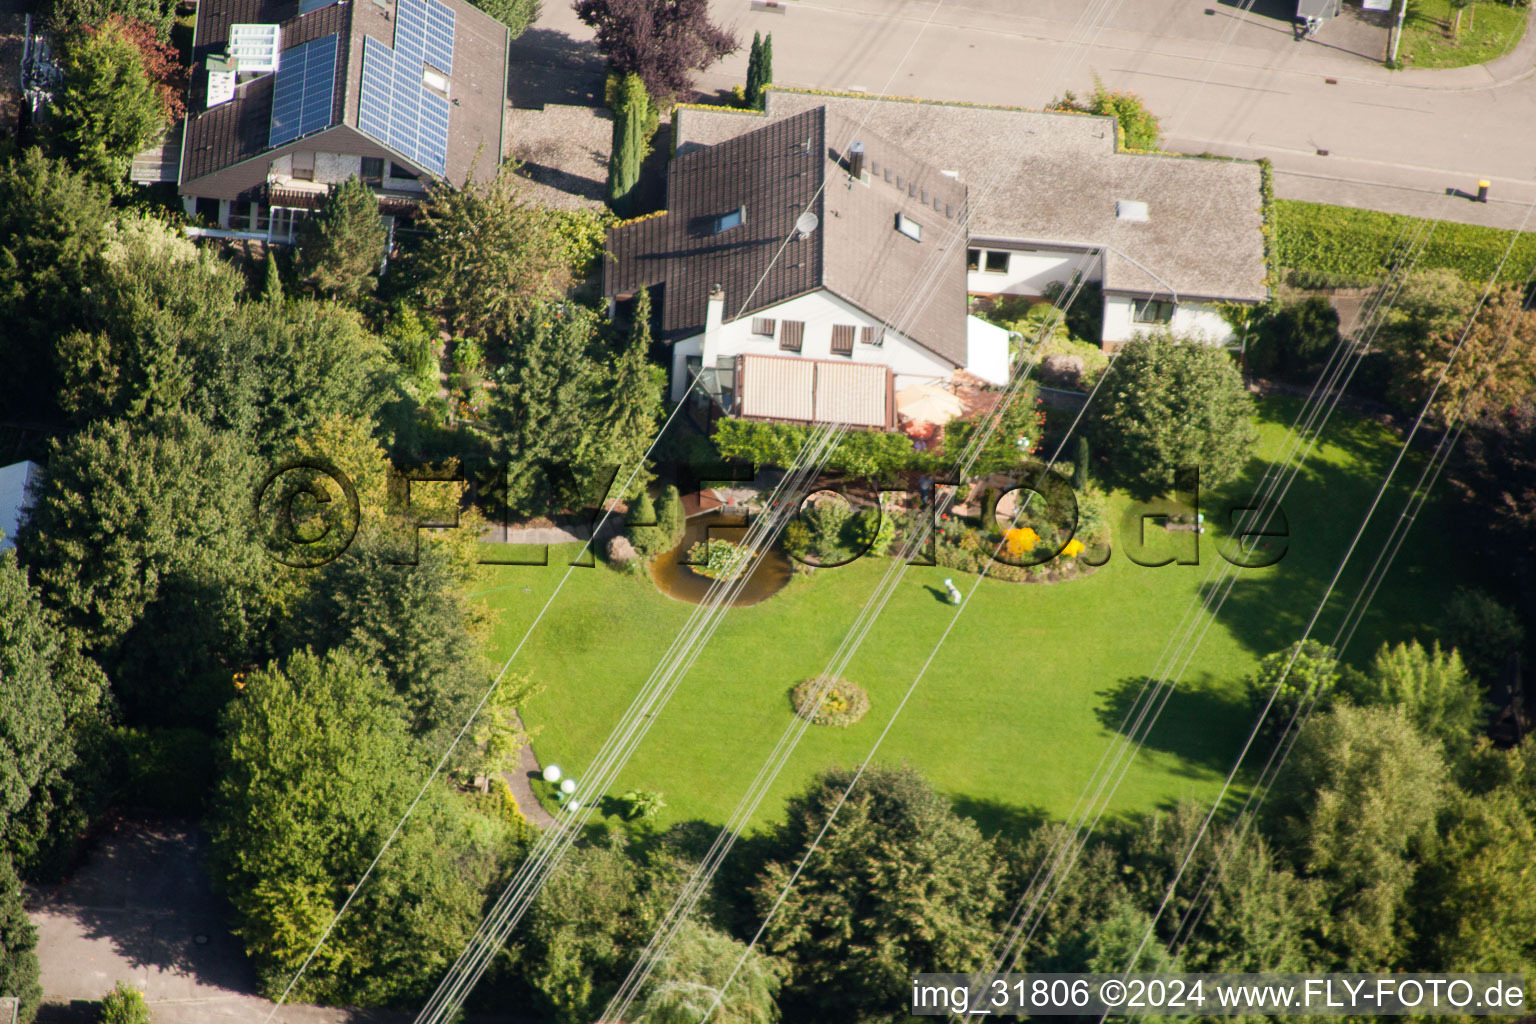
x=141 y=910
x=1338 y=126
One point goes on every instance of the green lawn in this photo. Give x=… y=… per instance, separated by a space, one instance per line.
x=1488 y=30
x=1020 y=703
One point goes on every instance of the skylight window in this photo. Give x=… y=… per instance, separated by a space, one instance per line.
x=1130 y=209
x=254 y=47
x=734 y=219
x=909 y=227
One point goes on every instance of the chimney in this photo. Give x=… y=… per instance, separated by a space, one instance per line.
x=714 y=316
x=856 y=159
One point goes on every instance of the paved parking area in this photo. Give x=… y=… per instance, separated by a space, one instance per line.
x=141 y=910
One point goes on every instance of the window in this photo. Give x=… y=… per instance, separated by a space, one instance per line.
x=734 y=219
x=789 y=337
x=764 y=326
x=842 y=339
x=997 y=263
x=873 y=335
x=304 y=166
x=396 y=171
x=373 y=170
x=909 y=227
x=1153 y=311
x=973 y=259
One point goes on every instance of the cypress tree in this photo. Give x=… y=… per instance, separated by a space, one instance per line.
x=628 y=143
x=272 y=290
x=754 y=90
x=765 y=72
x=1080 y=465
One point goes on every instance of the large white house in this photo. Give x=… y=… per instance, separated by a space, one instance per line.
x=1001 y=202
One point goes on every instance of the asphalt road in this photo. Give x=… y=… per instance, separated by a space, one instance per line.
x=1232 y=81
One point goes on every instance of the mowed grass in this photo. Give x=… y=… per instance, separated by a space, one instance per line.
x=1021 y=702
x=1488 y=30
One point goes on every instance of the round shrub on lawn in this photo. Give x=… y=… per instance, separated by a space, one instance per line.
x=843 y=703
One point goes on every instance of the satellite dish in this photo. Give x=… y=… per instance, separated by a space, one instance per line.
x=807 y=223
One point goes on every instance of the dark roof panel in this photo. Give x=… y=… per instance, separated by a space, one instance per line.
x=775 y=174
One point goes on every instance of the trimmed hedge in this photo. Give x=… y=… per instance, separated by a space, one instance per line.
x=1343 y=241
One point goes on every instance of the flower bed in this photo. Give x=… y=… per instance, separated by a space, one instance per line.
x=968 y=544
x=718 y=559
x=841 y=705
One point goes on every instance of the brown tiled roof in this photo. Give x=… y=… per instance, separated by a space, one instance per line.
x=776 y=173
x=230 y=132
x=238 y=130
x=1051 y=179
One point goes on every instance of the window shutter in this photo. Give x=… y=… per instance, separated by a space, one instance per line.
x=763 y=325
x=873 y=335
x=789 y=337
x=842 y=340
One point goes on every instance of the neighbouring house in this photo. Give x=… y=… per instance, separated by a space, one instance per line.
x=16 y=485
x=796 y=284
x=289 y=97
x=1168 y=238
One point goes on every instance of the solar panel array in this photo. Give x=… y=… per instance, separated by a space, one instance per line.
x=394 y=106
x=304 y=91
x=424 y=30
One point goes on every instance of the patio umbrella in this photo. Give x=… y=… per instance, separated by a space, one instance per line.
x=925 y=403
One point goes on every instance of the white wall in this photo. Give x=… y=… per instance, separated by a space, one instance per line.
x=820 y=311
x=1189 y=319
x=1029 y=270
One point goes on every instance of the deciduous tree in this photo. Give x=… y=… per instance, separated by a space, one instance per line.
x=67 y=14
x=1477 y=897
x=1354 y=808
x=517 y=15
x=53 y=703
x=665 y=42
x=1494 y=473
x=898 y=884
x=317 y=769
x=1432 y=686
x=108 y=107
x=19 y=969
x=1482 y=630
x=1304 y=673
x=595 y=913
x=1174 y=403
x=1488 y=367
x=692 y=977
x=51 y=220
x=489 y=255
x=1139 y=128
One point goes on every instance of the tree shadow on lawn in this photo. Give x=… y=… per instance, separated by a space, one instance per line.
x=1197 y=722
x=1268 y=610
x=995 y=818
